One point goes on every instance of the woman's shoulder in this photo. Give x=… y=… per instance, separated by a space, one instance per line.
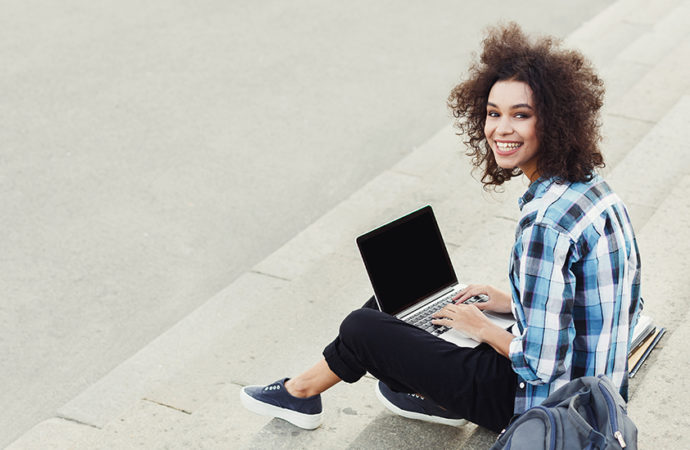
x=572 y=206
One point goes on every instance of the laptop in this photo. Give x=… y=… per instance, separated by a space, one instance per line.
x=412 y=275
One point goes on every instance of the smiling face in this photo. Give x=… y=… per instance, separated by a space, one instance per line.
x=511 y=126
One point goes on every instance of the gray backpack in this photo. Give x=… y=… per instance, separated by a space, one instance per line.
x=587 y=413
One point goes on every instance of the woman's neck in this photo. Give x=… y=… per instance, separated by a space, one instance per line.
x=530 y=170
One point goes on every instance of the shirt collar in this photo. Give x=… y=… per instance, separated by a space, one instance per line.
x=535 y=190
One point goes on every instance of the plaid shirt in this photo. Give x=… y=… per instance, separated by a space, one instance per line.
x=575 y=280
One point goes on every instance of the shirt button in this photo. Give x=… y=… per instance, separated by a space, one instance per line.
x=522 y=385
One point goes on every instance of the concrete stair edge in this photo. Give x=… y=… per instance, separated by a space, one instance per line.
x=609 y=32
x=401 y=171
x=642 y=181
x=659 y=391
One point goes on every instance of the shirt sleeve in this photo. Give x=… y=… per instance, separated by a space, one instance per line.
x=543 y=350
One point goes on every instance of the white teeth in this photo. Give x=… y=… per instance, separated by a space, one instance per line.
x=508 y=145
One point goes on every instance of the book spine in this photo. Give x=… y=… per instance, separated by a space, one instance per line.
x=647 y=352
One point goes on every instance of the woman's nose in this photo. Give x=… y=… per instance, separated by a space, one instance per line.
x=504 y=126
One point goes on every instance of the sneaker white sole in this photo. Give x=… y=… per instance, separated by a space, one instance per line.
x=302 y=420
x=417 y=416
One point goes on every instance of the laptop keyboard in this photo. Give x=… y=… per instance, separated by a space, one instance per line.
x=422 y=318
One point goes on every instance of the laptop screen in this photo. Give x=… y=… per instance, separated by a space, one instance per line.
x=406 y=260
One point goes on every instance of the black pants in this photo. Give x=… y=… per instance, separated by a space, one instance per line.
x=476 y=383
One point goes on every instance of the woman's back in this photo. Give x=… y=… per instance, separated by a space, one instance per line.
x=575 y=272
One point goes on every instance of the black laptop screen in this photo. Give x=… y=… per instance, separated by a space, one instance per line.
x=406 y=260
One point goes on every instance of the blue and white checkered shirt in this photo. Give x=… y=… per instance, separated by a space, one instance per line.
x=575 y=280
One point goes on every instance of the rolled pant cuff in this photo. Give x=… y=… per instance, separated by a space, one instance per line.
x=338 y=366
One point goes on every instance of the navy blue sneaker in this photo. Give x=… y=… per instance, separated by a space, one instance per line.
x=275 y=401
x=414 y=406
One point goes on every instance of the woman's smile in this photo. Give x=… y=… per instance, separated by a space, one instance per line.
x=506 y=148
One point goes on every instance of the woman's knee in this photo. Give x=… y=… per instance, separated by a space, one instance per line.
x=361 y=322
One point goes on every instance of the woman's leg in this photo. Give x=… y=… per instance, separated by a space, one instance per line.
x=478 y=383
x=313 y=381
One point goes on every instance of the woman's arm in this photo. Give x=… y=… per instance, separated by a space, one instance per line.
x=543 y=351
x=498 y=338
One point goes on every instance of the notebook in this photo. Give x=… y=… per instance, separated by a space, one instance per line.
x=412 y=275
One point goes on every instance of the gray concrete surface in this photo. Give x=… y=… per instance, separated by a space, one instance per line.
x=661 y=391
x=152 y=152
x=180 y=391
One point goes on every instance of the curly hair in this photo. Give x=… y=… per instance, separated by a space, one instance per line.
x=567 y=94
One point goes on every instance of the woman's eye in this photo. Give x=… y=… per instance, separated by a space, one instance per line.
x=492 y=114
x=522 y=116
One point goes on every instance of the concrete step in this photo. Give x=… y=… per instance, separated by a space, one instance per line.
x=358 y=421
x=611 y=31
x=665 y=248
x=624 y=70
x=55 y=433
x=652 y=96
x=178 y=347
x=659 y=406
x=659 y=392
x=620 y=135
x=188 y=378
x=648 y=172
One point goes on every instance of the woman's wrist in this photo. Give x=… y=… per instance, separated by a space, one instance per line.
x=496 y=337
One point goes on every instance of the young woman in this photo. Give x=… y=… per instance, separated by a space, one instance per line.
x=528 y=108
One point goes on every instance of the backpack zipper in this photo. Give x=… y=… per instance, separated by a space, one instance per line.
x=612 y=414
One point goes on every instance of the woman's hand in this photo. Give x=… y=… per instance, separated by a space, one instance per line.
x=466 y=318
x=471 y=321
x=498 y=301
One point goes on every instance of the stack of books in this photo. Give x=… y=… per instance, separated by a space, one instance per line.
x=645 y=337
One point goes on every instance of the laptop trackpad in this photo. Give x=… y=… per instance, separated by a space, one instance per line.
x=458 y=338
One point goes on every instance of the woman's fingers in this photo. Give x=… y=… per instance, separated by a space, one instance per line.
x=482 y=305
x=443 y=312
x=444 y=321
x=464 y=318
x=462 y=294
x=470 y=291
x=445 y=316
